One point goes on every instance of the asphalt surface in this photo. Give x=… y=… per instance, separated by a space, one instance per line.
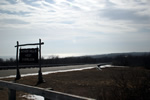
x=12 y=72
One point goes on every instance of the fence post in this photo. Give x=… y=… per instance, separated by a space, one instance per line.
x=46 y=99
x=12 y=94
x=48 y=89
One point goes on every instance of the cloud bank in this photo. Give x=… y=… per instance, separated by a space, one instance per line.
x=77 y=26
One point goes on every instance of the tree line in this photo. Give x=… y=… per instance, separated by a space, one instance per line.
x=75 y=60
x=121 y=60
x=57 y=60
x=133 y=61
x=7 y=62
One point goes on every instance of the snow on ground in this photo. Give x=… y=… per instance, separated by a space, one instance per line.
x=106 y=66
x=33 y=97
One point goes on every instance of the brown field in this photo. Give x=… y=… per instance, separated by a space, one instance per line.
x=108 y=84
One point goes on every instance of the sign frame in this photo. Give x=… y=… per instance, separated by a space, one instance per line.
x=18 y=76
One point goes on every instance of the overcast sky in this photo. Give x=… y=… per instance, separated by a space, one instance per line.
x=75 y=27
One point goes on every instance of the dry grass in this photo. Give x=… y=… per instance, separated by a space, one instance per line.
x=108 y=84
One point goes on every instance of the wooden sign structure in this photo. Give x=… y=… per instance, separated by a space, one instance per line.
x=29 y=56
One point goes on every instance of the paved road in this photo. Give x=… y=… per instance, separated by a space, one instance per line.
x=12 y=72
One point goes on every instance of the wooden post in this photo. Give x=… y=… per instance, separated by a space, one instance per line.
x=46 y=99
x=40 y=52
x=48 y=89
x=17 y=69
x=12 y=94
x=40 y=77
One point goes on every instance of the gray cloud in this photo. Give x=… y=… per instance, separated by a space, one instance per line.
x=50 y=1
x=12 y=1
x=13 y=21
x=20 y=13
x=124 y=14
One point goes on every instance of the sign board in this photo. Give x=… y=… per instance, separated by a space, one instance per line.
x=28 y=55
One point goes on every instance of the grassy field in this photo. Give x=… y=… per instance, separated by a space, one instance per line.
x=106 y=84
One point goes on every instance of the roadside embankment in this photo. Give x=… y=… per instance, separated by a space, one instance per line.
x=110 y=83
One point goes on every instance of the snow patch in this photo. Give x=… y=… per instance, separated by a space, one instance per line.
x=33 y=97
